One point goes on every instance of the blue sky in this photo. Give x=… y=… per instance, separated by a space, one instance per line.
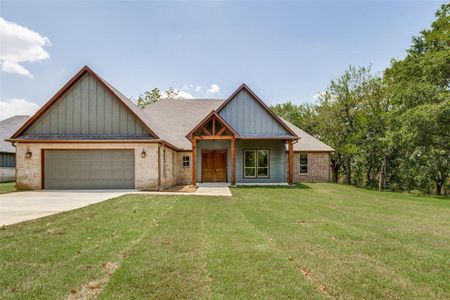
x=285 y=51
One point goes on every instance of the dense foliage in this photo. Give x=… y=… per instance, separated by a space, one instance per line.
x=390 y=130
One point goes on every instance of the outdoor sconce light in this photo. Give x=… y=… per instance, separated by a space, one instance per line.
x=28 y=153
x=143 y=153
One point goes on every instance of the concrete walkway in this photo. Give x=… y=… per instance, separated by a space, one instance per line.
x=204 y=189
x=22 y=206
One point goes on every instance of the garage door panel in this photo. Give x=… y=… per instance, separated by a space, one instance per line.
x=89 y=169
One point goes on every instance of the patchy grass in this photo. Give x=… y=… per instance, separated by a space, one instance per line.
x=7 y=187
x=309 y=241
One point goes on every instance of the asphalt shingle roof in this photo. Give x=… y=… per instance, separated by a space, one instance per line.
x=173 y=119
x=7 y=128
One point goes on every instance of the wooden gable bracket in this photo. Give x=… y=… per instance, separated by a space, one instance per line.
x=212 y=127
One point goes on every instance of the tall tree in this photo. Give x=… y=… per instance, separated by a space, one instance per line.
x=419 y=86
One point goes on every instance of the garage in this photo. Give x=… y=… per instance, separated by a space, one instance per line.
x=88 y=169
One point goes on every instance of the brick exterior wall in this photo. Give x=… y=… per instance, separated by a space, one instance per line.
x=318 y=167
x=29 y=169
x=168 y=167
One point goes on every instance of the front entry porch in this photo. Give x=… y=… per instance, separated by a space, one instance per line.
x=219 y=154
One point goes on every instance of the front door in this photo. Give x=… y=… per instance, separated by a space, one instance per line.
x=214 y=165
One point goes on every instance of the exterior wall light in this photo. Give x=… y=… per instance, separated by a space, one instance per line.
x=28 y=153
x=143 y=153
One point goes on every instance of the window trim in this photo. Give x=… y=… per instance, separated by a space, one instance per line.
x=188 y=161
x=256 y=164
x=300 y=163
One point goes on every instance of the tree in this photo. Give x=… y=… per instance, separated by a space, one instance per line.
x=419 y=124
x=150 y=97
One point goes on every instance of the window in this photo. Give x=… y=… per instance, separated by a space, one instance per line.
x=256 y=163
x=186 y=161
x=303 y=163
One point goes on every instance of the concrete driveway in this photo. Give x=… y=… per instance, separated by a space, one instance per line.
x=23 y=206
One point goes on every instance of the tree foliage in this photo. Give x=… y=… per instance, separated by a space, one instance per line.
x=154 y=95
x=391 y=130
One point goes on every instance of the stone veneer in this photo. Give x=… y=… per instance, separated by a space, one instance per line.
x=318 y=167
x=184 y=174
x=29 y=169
x=168 y=167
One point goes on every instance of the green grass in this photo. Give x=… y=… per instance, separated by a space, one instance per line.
x=309 y=241
x=7 y=187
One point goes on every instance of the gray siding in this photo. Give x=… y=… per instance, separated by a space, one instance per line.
x=7 y=160
x=87 y=109
x=249 y=118
x=276 y=164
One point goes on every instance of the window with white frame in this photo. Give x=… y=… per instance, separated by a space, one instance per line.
x=304 y=167
x=186 y=161
x=256 y=163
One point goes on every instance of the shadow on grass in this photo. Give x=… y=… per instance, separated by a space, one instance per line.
x=278 y=187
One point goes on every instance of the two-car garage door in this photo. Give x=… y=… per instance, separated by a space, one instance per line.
x=88 y=169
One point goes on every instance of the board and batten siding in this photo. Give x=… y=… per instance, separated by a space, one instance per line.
x=249 y=118
x=87 y=109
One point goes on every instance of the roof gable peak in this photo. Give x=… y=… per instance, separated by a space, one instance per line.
x=245 y=87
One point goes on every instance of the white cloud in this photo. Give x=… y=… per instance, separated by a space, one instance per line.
x=213 y=89
x=20 y=44
x=14 y=106
x=198 y=88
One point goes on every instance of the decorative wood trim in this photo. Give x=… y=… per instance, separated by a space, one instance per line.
x=233 y=162
x=213 y=113
x=254 y=96
x=213 y=137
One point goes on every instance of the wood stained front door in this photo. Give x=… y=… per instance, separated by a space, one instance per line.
x=214 y=165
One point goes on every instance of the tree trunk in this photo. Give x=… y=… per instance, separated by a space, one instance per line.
x=348 y=171
x=335 y=174
x=438 y=189
x=382 y=182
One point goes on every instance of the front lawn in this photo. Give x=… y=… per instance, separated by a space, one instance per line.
x=7 y=187
x=309 y=241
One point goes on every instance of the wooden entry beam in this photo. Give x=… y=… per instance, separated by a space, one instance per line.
x=233 y=162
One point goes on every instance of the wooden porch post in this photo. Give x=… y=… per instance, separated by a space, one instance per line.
x=194 y=162
x=233 y=162
x=291 y=162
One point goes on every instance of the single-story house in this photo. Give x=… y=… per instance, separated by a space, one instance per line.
x=89 y=135
x=7 y=151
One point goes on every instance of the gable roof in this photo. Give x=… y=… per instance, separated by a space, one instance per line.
x=259 y=101
x=7 y=128
x=176 y=117
x=130 y=106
